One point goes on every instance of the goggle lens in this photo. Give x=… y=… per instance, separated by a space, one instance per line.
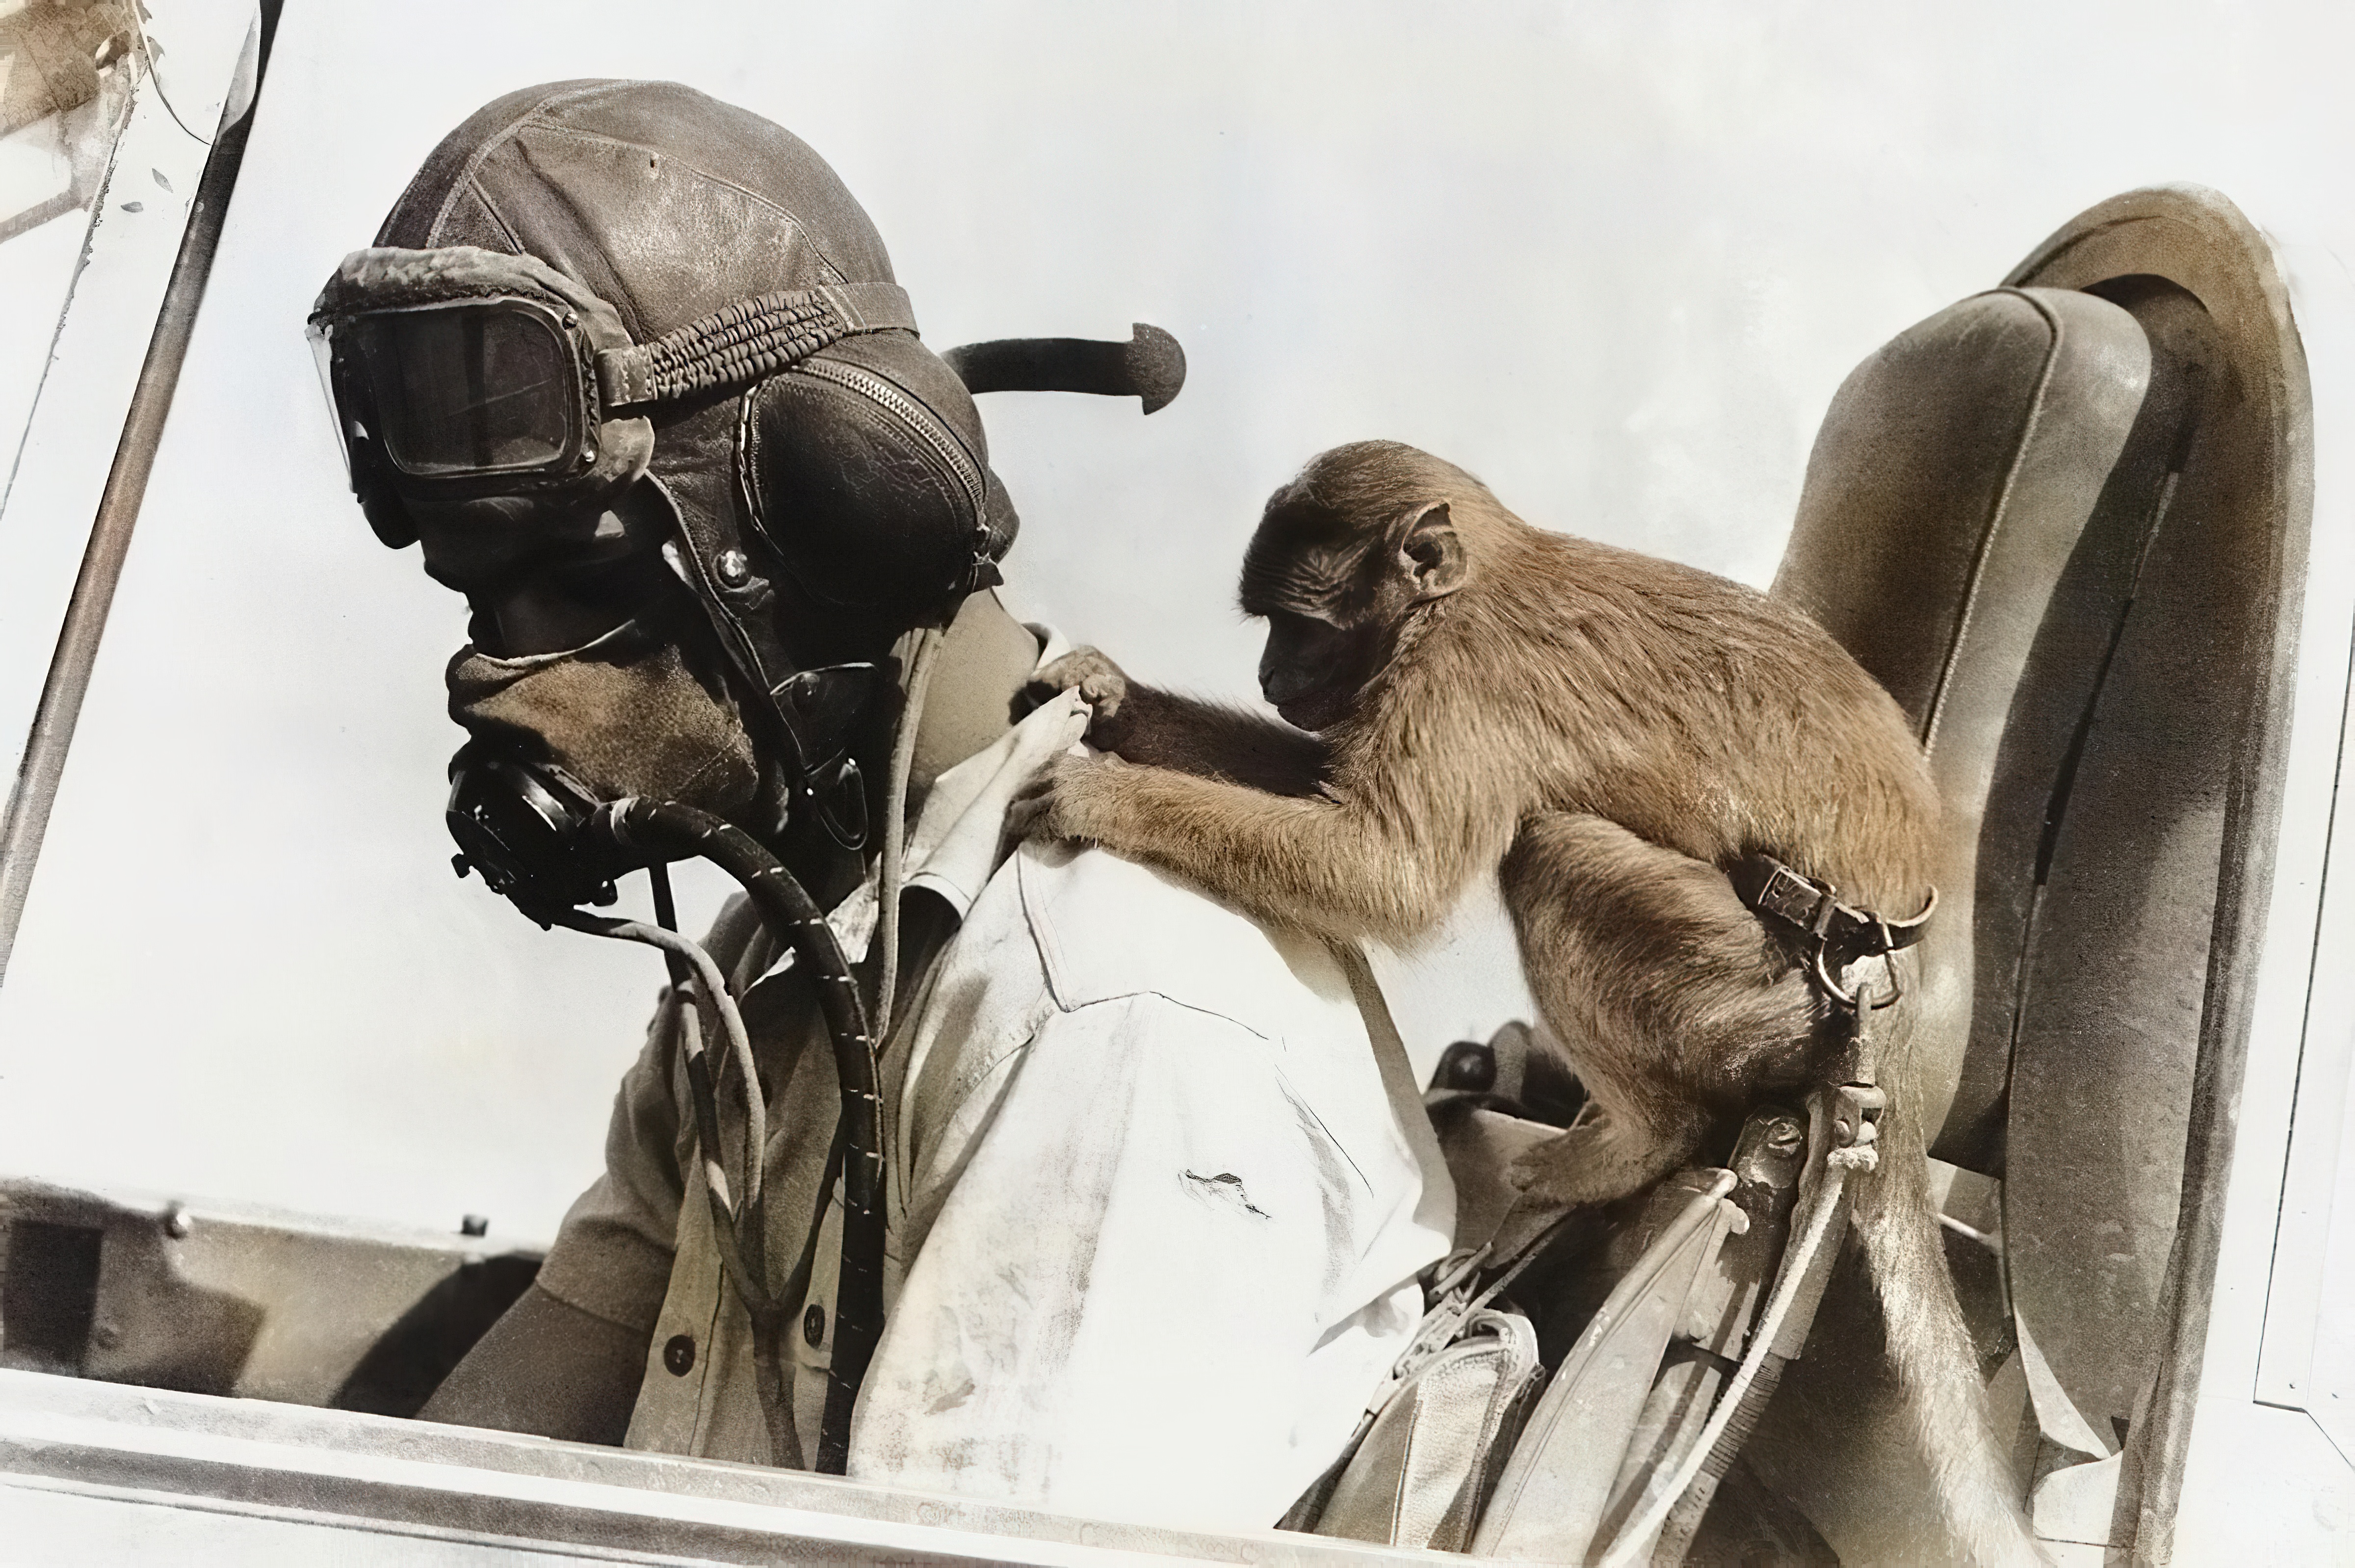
x=470 y=389
x=323 y=350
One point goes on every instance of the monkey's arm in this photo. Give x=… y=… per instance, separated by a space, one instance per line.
x=1208 y=740
x=1383 y=866
x=1212 y=741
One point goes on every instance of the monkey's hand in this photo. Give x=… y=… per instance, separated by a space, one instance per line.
x=1101 y=683
x=1073 y=798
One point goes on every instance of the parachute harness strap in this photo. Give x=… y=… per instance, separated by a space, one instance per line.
x=891 y=876
x=1635 y=1539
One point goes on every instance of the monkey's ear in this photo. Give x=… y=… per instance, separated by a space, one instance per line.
x=1433 y=553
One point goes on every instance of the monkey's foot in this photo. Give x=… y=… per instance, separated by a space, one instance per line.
x=1592 y=1162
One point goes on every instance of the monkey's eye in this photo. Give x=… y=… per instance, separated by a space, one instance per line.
x=1295 y=638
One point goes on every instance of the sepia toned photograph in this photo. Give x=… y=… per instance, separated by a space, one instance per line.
x=1304 y=783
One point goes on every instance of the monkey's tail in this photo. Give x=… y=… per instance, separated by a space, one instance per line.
x=1937 y=1369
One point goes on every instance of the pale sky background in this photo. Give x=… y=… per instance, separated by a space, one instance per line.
x=1613 y=258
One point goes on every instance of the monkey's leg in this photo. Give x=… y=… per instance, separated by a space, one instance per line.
x=1674 y=1005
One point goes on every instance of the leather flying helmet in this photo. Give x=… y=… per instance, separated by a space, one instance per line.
x=612 y=318
x=592 y=280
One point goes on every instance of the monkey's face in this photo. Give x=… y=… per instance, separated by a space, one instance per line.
x=1339 y=593
x=1313 y=667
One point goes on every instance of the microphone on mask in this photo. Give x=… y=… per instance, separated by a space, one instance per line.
x=524 y=827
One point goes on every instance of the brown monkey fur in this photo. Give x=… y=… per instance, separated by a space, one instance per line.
x=1612 y=733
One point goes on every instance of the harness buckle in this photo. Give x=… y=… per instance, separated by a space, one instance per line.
x=1832 y=937
x=1798 y=901
x=1856 y=1125
x=1857 y=1000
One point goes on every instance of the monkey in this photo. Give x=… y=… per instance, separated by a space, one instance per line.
x=1616 y=737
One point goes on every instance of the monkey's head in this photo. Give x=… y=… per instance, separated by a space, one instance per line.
x=1347 y=560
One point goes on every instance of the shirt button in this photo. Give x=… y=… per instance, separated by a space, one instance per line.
x=679 y=1355
x=814 y=1325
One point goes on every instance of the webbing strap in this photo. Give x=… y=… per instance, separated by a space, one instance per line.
x=740 y=342
x=1774 y=889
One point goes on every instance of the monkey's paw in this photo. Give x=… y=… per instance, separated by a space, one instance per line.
x=1071 y=798
x=1102 y=684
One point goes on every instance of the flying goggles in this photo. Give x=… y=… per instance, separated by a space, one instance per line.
x=462 y=371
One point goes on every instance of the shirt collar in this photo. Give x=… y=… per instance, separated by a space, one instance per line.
x=957 y=841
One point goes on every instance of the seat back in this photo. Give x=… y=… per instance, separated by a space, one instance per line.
x=1946 y=498
x=2114 y=797
x=1944 y=539
x=1948 y=490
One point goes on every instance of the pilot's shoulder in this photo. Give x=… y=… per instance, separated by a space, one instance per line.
x=1108 y=927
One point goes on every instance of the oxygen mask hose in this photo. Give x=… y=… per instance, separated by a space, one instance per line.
x=664 y=831
x=891 y=876
x=709 y=996
x=741 y=1227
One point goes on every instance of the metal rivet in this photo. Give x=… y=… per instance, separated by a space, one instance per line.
x=814 y=1325
x=177 y=1223
x=732 y=567
x=679 y=1354
x=570 y=319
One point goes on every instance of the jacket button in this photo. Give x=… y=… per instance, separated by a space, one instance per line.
x=733 y=568
x=679 y=1355
x=814 y=1325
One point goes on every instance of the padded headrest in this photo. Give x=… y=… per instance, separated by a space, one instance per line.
x=1948 y=488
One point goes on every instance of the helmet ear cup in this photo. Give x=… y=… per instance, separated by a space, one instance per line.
x=389 y=518
x=865 y=471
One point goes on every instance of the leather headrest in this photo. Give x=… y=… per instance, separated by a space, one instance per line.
x=1948 y=487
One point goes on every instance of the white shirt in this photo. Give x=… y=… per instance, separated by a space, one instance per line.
x=1158 y=1191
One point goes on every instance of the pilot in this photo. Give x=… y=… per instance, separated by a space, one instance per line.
x=1152 y=1183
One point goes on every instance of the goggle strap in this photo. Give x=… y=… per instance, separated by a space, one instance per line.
x=742 y=342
